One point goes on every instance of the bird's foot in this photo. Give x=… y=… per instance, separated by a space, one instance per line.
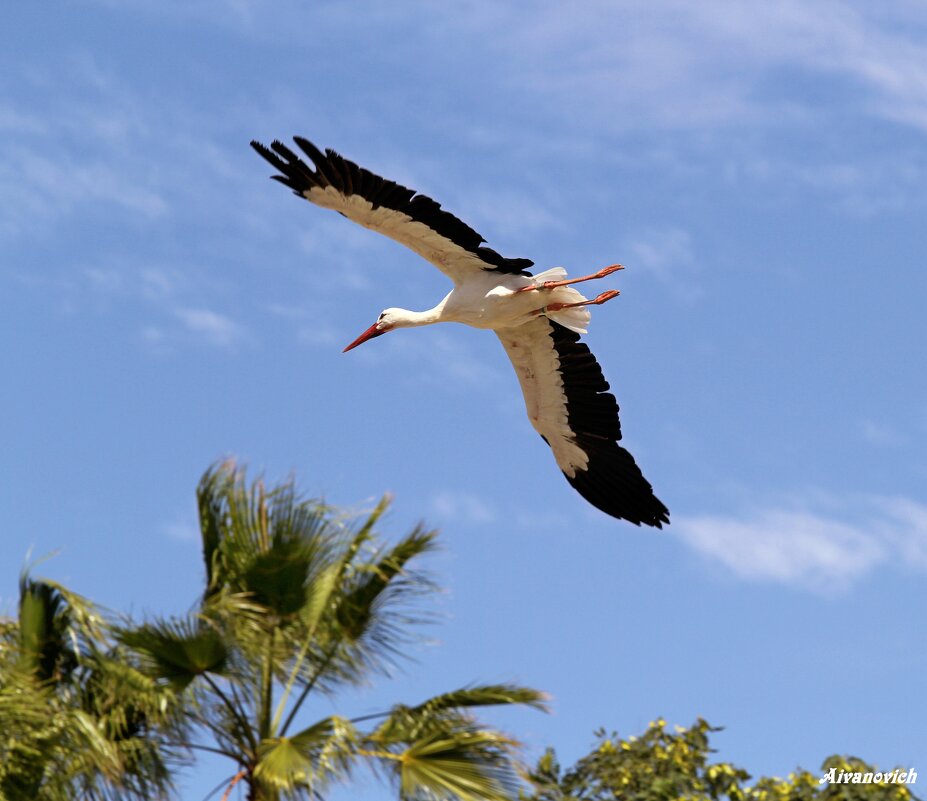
x=554 y=284
x=598 y=300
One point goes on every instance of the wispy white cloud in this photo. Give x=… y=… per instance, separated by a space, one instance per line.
x=863 y=188
x=719 y=87
x=215 y=328
x=637 y=64
x=823 y=550
x=154 y=337
x=38 y=189
x=340 y=255
x=181 y=530
x=160 y=305
x=462 y=506
x=79 y=154
x=513 y=216
x=319 y=334
x=161 y=297
x=14 y=121
x=109 y=278
x=681 y=64
x=907 y=530
x=784 y=546
x=286 y=311
x=91 y=145
x=880 y=434
x=157 y=283
x=666 y=253
x=441 y=359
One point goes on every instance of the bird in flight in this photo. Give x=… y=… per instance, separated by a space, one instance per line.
x=538 y=319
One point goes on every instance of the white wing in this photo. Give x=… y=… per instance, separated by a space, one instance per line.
x=569 y=405
x=413 y=220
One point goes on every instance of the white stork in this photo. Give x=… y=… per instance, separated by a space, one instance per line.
x=538 y=319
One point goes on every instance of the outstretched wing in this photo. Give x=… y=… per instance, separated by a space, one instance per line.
x=413 y=220
x=569 y=405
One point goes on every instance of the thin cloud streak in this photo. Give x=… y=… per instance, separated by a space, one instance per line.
x=216 y=329
x=685 y=65
x=639 y=65
x=462 y=507
x=666 y=253
x=812 y=550
x=104 y=151
x=908 y=530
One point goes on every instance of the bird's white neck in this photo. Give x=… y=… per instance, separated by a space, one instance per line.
x=411 y=319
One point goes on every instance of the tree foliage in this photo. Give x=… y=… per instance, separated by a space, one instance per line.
x=663 y=765
x=298 y=602
x=77 y=717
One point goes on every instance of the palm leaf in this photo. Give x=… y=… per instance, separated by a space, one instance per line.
x=359 y=623
x=466 y=764
x=43 y=621
x=209 y=496
x=277 y=578
x=485 y=695
x=270 y=543
x=178 y=650
x=379 y=582
x=408 y=723
x=73 y=722
x=312 y=757
x=322 y=589
x=127 y=702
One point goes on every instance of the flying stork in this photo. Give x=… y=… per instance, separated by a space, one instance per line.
x=538 y=319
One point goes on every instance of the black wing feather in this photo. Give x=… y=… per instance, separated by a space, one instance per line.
x=612 y=481
x=333 y=170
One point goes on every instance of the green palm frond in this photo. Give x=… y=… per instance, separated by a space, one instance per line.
x=76 y=717
x=56 y=627
x=277 y=578
x=47 y=758
x=362 y=612
x=105 y=755
x=178 y=650
x=57 y=743
x=464 y=764
x=311 y=758
x=87 y=622
x=270 y=543
x=233 y=522
x=325 y=583
x=378 y=583
x=127 y=702
x=486 y=695
x=43 y=624
x=293 y=517
x=212 y=487
x=319 y=594
x=404 y=723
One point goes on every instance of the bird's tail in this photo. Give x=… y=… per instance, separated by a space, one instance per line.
x=575 y=318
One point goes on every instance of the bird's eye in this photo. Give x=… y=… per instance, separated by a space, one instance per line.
x=382 y=315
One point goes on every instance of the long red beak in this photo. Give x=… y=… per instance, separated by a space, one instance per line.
x=370 y=333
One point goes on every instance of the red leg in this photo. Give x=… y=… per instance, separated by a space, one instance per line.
x=598 y=300
x=553 y=284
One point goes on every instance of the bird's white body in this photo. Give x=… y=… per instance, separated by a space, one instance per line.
x=497 y=302
x=537 y=318
x=494 y=301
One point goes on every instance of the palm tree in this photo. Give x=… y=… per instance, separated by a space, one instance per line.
x=76 y=716
x=299 y=601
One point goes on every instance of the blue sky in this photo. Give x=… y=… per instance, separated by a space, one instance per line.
x=759 y=168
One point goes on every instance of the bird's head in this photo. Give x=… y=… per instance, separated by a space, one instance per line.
x=387 y=321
